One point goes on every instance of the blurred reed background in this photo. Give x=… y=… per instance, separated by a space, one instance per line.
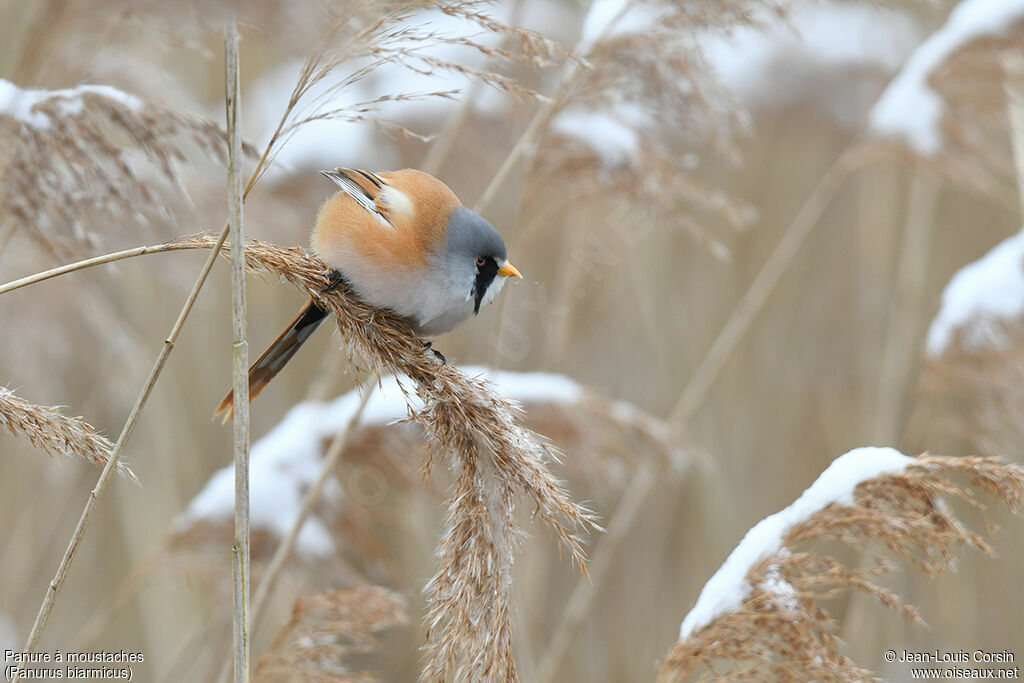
x=659 y=179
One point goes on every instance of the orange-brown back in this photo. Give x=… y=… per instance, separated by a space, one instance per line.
x=416 y=205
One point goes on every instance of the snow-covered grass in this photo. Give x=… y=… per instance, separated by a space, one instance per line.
x=777 y=63
x=910 y=110
x=762 y=614
x=20 y=103
x=980 y=295
x=287 y=459
x=613 y=136
x=728 y=588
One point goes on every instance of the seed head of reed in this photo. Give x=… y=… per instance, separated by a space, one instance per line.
x=76 y=156
x=494 y=461
x=782 y=632
x=603 y=442
x=326 y=630
x=369 y=36
x=653 y=84
x=974 y=394
x=48 y=429
x=977 y=84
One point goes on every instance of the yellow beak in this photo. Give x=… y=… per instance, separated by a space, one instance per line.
x=508 y=270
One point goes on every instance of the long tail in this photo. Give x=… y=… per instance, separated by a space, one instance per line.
x=277 y=354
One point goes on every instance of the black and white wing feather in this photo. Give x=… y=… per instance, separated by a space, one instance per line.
x=351 y=183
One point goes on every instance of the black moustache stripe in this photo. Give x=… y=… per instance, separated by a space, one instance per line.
x=485 y=275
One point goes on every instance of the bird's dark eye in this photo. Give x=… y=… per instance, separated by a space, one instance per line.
x=480 y=261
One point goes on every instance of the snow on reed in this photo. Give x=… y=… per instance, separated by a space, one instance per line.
x=613 y=136
x=288 y=459
x=728 y=588
x=762 y=616
x=910 y=110
x=785 y=59
x=23 y=104
x=978 y=297
x=95 y=148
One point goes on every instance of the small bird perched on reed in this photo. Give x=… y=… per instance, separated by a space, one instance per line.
x=402 y=241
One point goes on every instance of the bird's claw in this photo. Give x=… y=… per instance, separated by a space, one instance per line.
x=335 y=281
x=430 y=346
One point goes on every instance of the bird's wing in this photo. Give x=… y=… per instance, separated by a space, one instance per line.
x=362 y=186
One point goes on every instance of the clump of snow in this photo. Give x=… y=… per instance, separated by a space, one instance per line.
x=783 y=60
x=530 y=387
x=20 y=104
x=613 y=136
x=285 y=462
x=978 y=295
x=909 y=109
x=728 y=588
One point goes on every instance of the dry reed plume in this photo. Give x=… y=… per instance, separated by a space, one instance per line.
x=663 y=113
x=493 y=458
x=92 y=143
x=87 y=143
x=979 y=84
x=976 y=394
x=47 y=428
x=396 y=37
x=326 y=629
x=604 y=441
x=780 y=631
x=491 y=423
x=652 y=79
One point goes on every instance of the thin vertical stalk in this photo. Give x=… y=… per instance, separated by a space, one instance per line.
x=1013 y=68
x=287 y=545
x=582 y=598
x=900 y=359
x=902 y=350
x=140 y=402
x=240 y=357
x=763 y=285
x=541 y=116
x=115 y=456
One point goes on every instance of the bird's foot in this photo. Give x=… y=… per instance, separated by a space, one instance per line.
x=430 y=347
x=335 y=281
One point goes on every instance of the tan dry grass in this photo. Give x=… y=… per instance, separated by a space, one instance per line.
x=654 y=79
x=493 y=458
x=325 y=630
x=976 y=83
x=87 y=144
x=50 y=430
x=603 y=442
x=975 y=394
x=782 y=632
